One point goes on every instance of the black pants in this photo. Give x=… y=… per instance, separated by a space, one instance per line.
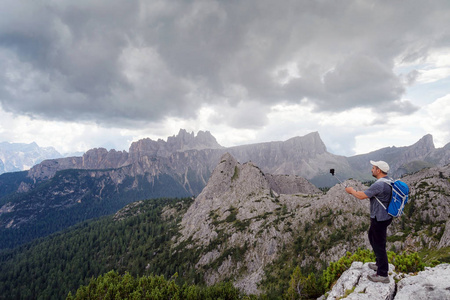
x=377 y=238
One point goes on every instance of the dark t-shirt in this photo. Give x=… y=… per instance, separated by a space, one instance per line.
x=382 y=191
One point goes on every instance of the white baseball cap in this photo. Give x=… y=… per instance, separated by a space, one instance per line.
x=382 y=165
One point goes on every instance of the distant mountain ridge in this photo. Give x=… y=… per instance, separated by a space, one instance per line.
x=102 y=181
x=407 y=159
x=304 y=156
x=20 y=156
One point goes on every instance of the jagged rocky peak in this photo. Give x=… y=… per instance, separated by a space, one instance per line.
x=181 y=142
x=308 y=144
x=100 y=158
x=188 y=141
x=221 y=178
x=147 y=147
x=230 y=185
x=426 y=143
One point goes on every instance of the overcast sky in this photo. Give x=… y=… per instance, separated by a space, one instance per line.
x=84 y=74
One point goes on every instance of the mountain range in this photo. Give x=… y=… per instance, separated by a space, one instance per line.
x=305 y=156
x=58 y=193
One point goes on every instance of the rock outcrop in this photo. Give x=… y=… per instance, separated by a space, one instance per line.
x=244 y=223
x=433 y=283
x=354 y=284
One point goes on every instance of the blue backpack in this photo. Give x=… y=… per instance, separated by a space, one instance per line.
x=399 y=197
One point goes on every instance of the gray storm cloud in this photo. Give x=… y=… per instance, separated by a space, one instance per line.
x=127 y=61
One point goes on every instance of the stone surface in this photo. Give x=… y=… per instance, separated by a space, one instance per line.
x=290 y=184
x=431 y=284
x=355 y=285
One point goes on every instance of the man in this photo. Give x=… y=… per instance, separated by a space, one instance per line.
x=379 y=219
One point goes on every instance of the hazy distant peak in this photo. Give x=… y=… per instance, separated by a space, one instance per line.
x=312 y=143
x=425 y=142
x=22 y=156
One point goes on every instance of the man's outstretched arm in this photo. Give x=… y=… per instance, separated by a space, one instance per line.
x=358 y=194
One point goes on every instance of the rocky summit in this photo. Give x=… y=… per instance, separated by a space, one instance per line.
x=236 y=217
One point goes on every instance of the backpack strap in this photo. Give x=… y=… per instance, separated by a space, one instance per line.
x=380 y=202
x=389 y=182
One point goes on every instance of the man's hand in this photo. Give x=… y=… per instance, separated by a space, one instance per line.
x=360 y=195
x=349 y=190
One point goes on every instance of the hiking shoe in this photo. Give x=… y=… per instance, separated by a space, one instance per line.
x=378 y=278
x=373 y=266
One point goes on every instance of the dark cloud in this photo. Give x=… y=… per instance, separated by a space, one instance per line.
x=136 y=61
x=360 y=81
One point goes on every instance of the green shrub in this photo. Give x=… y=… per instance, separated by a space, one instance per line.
x=406 y=263
x=236 y=174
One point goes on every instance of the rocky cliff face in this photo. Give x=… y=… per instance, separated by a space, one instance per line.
x=184 y=141
x=94 y=159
